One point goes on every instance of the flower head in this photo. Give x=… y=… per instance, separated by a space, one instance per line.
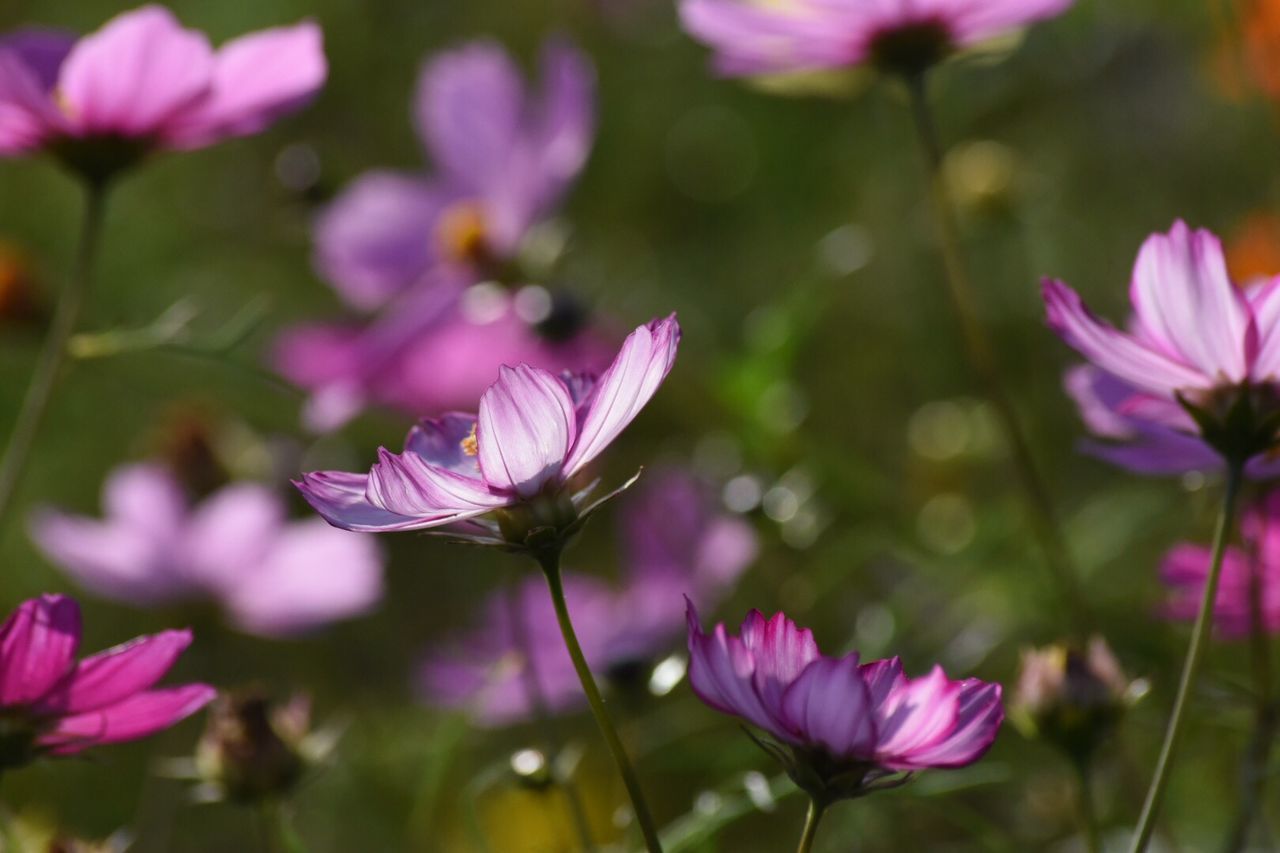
x=504 y=157
x=674 y=544
x=1202 y=356
x=52 y=704
x=513 y=460
x=272 y=577
x=1257 y=562
x=842 y=728
x=905 y=36
x=143 y=83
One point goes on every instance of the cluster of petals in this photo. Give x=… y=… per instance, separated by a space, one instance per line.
x=143 y=77
x=674 y=543
x=750 y=37
x=1185 y=570
x=407 y=247
x=271 y=576
x=533 y=433
x=1194 y=333
x=71 y=705
x=773 y=676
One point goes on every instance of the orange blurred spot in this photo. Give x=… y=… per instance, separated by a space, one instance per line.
x=1253 y=250
x=17 y=288
x=463 y=232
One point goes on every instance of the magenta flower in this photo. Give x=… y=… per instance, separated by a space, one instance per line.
x=1186 y=568
x=674 y=544
x=534 y=432
x=842 y=728
x=1202 y=357
x=905 y=36
x=56 y=705
x=142 y=83
x=504 y=158
x=272 y=577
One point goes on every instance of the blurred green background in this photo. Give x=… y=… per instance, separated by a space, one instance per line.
x=791 y=236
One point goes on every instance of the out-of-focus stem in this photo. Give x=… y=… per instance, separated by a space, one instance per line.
x=811 y=820
x=983 y=358
x=1088 y=814
x=1191 y=666
x=550 y=562
x=552 y=742
x=44 y=378
x=1253 y=765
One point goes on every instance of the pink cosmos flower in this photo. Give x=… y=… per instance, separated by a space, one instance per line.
x=534 y=432
x=56 y=705
x=1201 y=358
x=1186 y=568
x=674 y=544
x=272 y=577
x=142 y=82
x=751 y=37
x=841 y=726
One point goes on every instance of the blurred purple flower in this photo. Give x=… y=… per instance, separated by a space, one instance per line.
x=675 y=544
x=56 y=705
x=143 y=82
x=272 y=577
x=504 y=158
x=1201 y=358
x=533 y=433
x=751 y=37
x=1186 y=567
x=840 y=726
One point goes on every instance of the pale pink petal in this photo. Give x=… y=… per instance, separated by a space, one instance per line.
x=720 y=672
x=37 y=648
x=751 y=38
x=135 y=74
x=139 y=716
x=978 y=720
x=114 y=675
x=408 y=485
x=830 y=706
x=230 y=534
x=1185 y=301
x=917 y=715
x=565 y=118
x=781 y=651
x=29 y=63
x=1265 y=301
x=341 y=499
x=645 y=359
x=524 y=430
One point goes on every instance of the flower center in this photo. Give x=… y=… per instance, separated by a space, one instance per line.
x=910 y=49
x=470 y=446
x=462 y=233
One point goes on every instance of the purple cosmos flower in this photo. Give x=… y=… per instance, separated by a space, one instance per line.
x=1186 y=567
x=56 y=705
x=1201 y=358
x=675 y=544
x=431 y=351
x=143 y=82
x=272 y=577
x=751 y=37
x=841 y=727
x=504 y=157
x=534 y=432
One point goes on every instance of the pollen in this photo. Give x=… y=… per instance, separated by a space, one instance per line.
x=469 y=444
x=463 y=232
x=63 y=104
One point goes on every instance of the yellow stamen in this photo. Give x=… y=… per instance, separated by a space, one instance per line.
x=463 y=232
x=469 y=444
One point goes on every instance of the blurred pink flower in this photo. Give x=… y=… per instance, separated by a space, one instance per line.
x=533 y=433
x=840 y=725
x=271 y=576
x=1186 y=567
x=752 y=37
x=143 y=82
x=1201 y=359
x=56 y=705
x=674 y=544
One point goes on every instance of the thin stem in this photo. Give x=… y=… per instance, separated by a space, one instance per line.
x=552 y=742
x=1253 y=765
x=983 y=358
x=45 y=376
x=1088 y=814
x=1191 y=666
x=550 y=563
x=811 y=819
x=279 y=829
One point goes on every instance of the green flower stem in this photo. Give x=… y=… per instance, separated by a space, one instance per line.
x=1088 y=813
x=1191 y=666
x=811 y=819
x=983 y=358
x=43 y=380
x=550 y=562
x=552 y=742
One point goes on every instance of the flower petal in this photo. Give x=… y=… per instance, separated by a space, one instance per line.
x=781 y=650
x=721 y=670
x=918 y=715
x=978 y=718
x=408 y=485
x=42 y=51
x=441 y=441
x=37 y=648
x=753 y=38
x=116 y=674
x=341 y=499
x=137 y=717
x=643 y=362
x=830 y=706
x=525 y=429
